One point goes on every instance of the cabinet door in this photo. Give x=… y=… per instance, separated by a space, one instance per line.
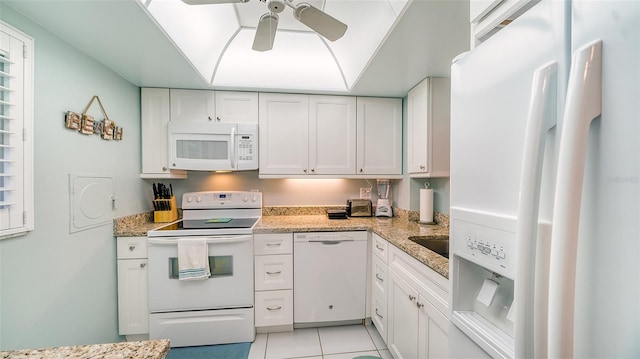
x=133 y=309
x=402 y=311
x=379 y=139
x=433 y=331
x=417 y=129
x=332 y=135
x=284 y=128
x=428 y=132
x=236 y=107
x=193 y=105
x=155 y=118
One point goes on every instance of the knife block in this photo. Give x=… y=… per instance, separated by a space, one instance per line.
x=167 y=216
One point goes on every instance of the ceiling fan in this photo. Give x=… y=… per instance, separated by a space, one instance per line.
x=316 y=19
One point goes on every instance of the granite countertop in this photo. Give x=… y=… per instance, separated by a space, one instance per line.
x=147 y=349
x=396 y=230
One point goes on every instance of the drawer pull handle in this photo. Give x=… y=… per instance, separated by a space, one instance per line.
x=378 y=314
x=142 y=265
x=412 y=297
x=276 y=308
x=273 y=244
x=274 y=273
x=419 y=305
x=379 y=248
x=131 y=248
x=379 y=278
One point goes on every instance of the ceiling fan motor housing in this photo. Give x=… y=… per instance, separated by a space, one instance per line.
x=275 y=5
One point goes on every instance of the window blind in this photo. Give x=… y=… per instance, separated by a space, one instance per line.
x=16 y=185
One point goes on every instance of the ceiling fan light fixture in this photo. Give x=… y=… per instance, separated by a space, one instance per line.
x=319 y=21
x=265 y=32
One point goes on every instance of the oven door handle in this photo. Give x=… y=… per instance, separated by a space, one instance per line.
x=173 y=241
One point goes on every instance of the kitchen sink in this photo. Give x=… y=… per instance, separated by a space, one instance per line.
x=438 y=244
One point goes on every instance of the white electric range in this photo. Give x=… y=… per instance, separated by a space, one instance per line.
x=218 y=309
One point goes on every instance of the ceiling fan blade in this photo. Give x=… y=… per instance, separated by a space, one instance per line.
x=206 y=2
x=265 y=32
x=320 y=22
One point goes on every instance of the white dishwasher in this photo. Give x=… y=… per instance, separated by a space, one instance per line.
x=330 y=273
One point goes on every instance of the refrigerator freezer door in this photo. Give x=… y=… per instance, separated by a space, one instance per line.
x=491 y=98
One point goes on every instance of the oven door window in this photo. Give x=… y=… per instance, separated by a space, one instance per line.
x=220 y=266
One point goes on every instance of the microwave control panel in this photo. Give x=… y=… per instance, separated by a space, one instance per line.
x=245 y=148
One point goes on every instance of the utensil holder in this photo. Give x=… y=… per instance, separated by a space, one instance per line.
x=166 y=216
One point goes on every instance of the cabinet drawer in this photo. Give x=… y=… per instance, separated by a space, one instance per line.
x=274 y=308
x=131 y=247
x=272 y=243
x=379 y=276
x=274 y=272
x=380 y=247
x=379 y=314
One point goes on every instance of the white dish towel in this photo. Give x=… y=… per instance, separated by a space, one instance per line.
x=193 y=259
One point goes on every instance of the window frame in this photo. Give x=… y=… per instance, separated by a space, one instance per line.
x=26 y=195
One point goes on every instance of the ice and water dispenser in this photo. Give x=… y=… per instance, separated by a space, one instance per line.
x=482 y=273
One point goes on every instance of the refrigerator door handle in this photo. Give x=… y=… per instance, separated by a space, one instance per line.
x=541 y=118
x=583 y=104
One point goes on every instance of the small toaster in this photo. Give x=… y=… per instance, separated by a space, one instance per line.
x=359 y=208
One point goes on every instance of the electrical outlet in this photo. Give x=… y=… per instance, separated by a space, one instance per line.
x=365 y=193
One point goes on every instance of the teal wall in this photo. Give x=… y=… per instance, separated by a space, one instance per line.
x=58 y=288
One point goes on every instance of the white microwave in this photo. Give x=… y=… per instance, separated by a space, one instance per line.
x=204 y=146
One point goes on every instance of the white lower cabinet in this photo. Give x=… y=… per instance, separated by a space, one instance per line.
x=273 y=265
x=417 y=301
x=133 y=307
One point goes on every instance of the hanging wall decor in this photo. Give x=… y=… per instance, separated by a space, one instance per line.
x=88 y=125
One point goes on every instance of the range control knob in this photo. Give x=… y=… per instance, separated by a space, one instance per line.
x=255 y=198
x=189 y=199
x=245 y=199
x=198 y=199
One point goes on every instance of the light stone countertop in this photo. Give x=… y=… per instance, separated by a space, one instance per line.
x=396 y=230
x=146 y=349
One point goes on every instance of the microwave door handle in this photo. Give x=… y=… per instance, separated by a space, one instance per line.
x=233 y=147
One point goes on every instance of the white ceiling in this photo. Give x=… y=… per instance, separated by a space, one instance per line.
x=122 y=35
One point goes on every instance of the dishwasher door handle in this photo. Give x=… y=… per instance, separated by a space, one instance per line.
x=330 y=242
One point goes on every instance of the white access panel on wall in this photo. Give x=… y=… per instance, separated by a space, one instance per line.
x=91 y=201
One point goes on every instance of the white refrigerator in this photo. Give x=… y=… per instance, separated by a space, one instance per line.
x=545 y=186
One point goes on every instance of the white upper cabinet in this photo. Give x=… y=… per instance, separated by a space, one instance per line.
x=193 y=105
x=332 y=135
x=379 y=138
x=236 y=107
x=155 y=118
x=428 y=120
x=307 y=135
x=283 y=134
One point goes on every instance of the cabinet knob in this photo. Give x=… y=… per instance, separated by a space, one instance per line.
x=412 y=297
x=210 y=119
x=218 y=118
x=304 y=170
x=131 y=248
x=313 y=170
x=422 y=167
x=419 y=305
x=361 y=170
x=164 y=169
x=142 y=265
x=276 y=308
x=274 y=273
x=379 y=278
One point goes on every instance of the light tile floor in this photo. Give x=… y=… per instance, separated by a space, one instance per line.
x=341 y=342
